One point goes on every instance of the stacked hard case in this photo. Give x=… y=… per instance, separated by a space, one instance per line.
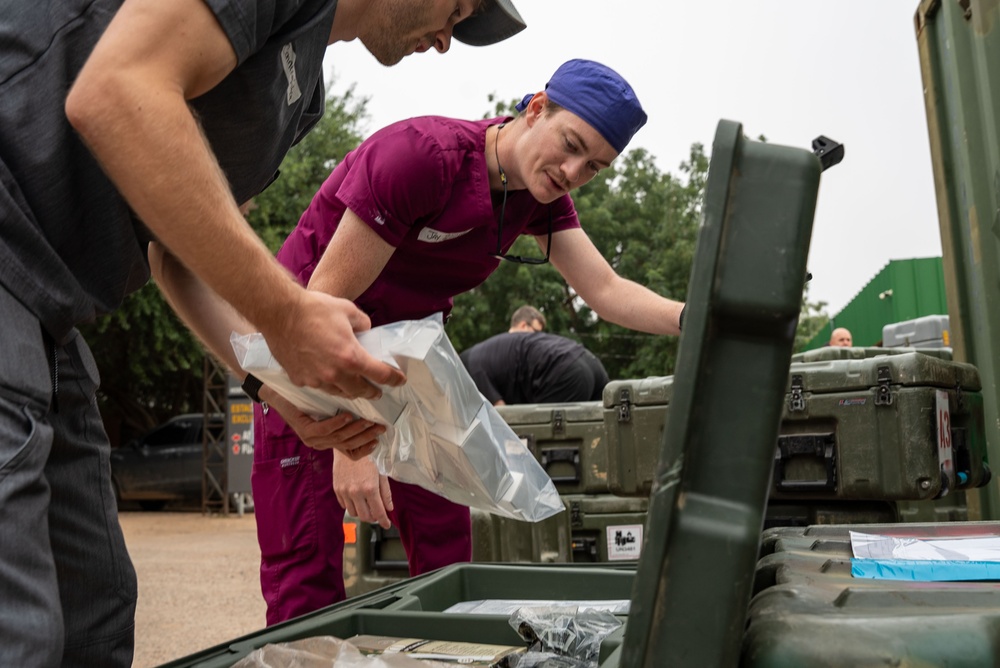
x=635 y=415
x=571 y=441
x=690 y=591
x=808 y=610
x=594 y=528
x=568 y=440
x=930 y=331
x=859 y=441
x=889 y=427
x=818 y=509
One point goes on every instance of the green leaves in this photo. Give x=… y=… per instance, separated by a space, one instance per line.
x=812 y=319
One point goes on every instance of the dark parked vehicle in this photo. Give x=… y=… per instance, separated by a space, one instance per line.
x=165 y=464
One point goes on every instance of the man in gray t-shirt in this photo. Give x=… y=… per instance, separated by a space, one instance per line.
x=123 y=123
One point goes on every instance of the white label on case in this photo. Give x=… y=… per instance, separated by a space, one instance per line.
x=946 y=454
x=624 y=542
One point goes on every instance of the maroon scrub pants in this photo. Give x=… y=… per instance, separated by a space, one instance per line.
x=300 y=523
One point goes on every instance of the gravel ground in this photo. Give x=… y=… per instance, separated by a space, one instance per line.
x=198 y=581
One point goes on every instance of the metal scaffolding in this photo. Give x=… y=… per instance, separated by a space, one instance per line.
x=214 y=480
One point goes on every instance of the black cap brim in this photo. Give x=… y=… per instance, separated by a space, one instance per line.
x=498 y=21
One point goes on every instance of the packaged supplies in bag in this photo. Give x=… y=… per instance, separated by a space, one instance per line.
x=441 y=433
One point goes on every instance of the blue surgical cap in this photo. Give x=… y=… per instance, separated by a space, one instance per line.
x=598 y=95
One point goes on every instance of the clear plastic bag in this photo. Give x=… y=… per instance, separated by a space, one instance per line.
x=441 y=433
x=562 y=636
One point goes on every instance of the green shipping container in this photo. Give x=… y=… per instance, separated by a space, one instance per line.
x=890 y=427
x=959 y=53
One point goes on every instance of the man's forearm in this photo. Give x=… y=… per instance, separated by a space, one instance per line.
x=201 y=309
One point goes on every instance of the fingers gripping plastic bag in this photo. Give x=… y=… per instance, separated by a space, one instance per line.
x=441 y=433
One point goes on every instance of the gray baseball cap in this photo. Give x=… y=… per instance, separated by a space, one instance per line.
x=497 y=21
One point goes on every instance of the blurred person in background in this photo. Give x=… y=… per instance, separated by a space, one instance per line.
x=841 y=337
x=526 y=365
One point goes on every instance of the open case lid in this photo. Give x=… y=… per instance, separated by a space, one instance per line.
x=706 y=512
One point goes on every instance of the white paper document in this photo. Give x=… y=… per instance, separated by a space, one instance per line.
x=973 y=548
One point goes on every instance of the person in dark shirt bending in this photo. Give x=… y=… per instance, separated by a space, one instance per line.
x=528 y=366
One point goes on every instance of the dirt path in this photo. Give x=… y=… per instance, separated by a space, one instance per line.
x=198 y=581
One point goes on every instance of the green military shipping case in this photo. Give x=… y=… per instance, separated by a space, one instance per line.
x=605 y=528
x=888 y=427
x=416 y=608
x=827 y=353
x=782 y=513
x=808 y=610
x=593 y=529
x=689 y=593
x=635 y=414
x=567 y=440
x=378 y=559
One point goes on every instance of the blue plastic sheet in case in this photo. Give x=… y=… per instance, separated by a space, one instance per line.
x=925 y=570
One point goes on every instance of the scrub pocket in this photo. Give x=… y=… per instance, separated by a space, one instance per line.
x=284 y=488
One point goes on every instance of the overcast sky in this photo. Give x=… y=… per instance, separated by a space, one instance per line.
x=788 y=69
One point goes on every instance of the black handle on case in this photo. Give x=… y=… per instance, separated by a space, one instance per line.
x=828 y=151
x=379 y=535
x=553 y=455
x=820 y=446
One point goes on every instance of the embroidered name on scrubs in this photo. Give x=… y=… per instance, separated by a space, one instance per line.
x=288 y=64
x=434 y=237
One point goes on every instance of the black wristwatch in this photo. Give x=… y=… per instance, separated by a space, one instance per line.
x=680 y=319
x=252 y=385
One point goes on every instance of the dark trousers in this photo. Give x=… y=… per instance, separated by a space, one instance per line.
x=67 y=586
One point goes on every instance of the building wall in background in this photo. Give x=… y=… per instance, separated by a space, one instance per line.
x=902 y=290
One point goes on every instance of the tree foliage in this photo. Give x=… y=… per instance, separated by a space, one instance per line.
x=812 y=319
x=276 y=211
x=150 y=364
